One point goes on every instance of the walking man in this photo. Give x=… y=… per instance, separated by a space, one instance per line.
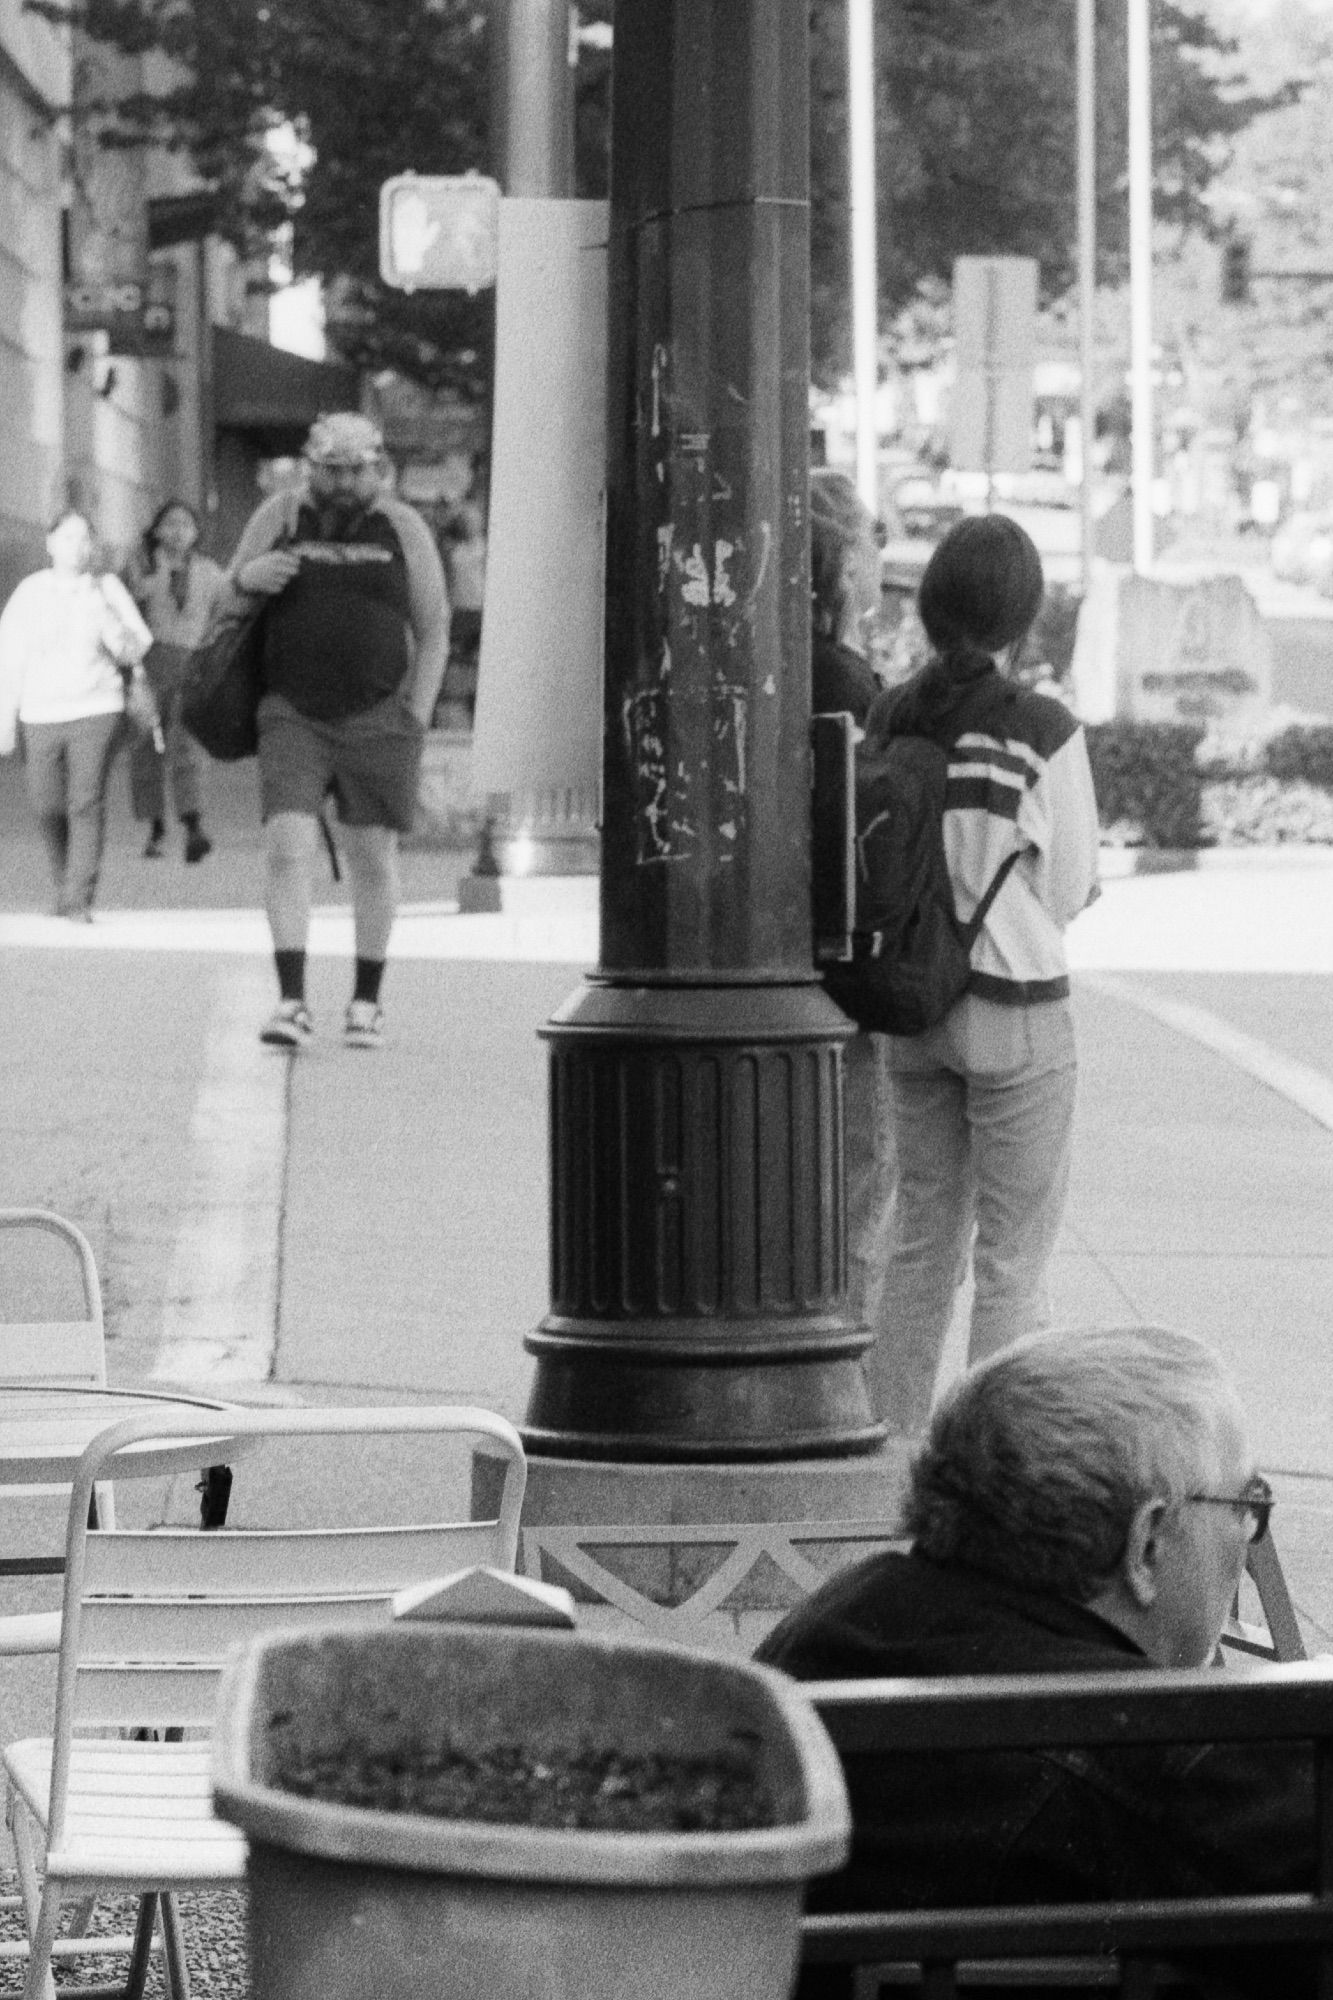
x=355 y=643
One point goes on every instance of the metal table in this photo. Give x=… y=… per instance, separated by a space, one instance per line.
x=45 y=1426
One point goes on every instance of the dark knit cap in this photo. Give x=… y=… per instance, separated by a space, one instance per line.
x=982 y=586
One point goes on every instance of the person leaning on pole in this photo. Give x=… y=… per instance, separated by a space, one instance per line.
x=1082 y=1502
x=355 y=643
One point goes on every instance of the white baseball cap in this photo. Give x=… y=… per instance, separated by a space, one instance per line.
x=344 y=437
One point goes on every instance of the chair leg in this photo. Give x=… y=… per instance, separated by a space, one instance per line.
x=21 y=1827
x=141 y=1951
x=39 y=1983
x=80 y=1916
x=173 y=1941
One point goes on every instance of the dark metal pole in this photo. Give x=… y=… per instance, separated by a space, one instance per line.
x=532 y=103
x=698 y=1256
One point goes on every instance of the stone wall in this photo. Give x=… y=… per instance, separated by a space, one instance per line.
x=1151 y=650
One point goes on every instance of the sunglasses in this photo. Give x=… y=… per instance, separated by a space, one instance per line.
x=1257 y=1499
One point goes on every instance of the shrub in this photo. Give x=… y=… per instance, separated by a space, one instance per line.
x=1259 y=811
x=1148 y=783
x=1302 y=754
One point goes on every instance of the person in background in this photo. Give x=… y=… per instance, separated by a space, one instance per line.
x=464 y=538
x=176 y=589
x=983 y=1103
x=1083 y=1502
x=70 y=643
x=355 y=641
x=845 y=596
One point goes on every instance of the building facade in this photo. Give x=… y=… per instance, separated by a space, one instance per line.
x=35 y=73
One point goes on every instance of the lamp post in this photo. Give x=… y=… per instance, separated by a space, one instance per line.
x=698 y=1257
x=865 y=281
x=1140 y=281
x=1087 y=270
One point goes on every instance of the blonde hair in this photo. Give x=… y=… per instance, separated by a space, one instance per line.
x=839 y=521
x=1037 y=1459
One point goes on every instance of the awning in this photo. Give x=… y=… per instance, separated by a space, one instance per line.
x=266 y=390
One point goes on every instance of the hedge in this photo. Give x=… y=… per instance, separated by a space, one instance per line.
x=1159 y=786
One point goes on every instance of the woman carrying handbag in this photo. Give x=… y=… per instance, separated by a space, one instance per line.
x=71 y=663
x=176 y=589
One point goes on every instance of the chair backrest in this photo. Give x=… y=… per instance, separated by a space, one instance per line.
x=1279 y=1637
x=149 y=1617
x=1273 y=1704
x=53 y=1350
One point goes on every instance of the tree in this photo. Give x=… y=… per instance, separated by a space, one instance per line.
x=976 y=133
x=975 y=115
x=371 y=87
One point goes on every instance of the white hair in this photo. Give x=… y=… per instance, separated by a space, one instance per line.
x=1037 y=1459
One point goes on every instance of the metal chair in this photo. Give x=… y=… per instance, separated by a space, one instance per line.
x=148 y=1618
x=69 y=1351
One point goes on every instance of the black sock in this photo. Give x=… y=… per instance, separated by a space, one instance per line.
x=157 y=829
x=291 y=974
x=369 y=972
x=190 y=821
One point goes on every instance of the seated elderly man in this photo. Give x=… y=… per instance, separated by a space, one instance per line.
x=1082 y=1501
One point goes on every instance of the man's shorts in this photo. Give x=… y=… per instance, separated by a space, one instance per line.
x=369 y=762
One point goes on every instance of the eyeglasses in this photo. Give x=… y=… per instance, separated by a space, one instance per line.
x=1257 y=1499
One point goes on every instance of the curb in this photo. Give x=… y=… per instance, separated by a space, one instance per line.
x=1116 y=862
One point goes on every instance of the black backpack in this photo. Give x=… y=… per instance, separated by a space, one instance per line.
x=911 y=955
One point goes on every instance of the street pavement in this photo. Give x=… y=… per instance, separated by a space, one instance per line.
x=373 y=1226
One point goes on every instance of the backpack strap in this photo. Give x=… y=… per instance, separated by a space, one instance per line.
x=972 y=928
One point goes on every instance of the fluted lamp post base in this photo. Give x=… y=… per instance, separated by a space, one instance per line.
x=698 y=1241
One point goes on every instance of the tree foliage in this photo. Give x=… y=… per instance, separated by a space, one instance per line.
x=372 y=87
x=975 y=114
x=976 y=119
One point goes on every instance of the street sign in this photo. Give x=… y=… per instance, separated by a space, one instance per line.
x=995 y=333
x=439 y=232
x=118 y=307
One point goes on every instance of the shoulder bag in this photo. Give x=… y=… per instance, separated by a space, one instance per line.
x=223 y=683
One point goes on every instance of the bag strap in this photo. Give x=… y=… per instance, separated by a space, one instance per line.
x=972 y=928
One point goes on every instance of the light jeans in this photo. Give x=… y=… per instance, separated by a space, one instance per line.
x=869 y=1159
x=983 y=1109
x=67 y=765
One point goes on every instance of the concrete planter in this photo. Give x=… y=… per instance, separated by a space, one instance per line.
x=447 y=815
x=346 y=1901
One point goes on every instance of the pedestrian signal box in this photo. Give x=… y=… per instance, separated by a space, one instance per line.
x=439 y=232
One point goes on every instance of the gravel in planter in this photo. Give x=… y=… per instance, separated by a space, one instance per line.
x=596 y=1790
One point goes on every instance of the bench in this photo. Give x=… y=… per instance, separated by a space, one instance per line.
x=939 y=1950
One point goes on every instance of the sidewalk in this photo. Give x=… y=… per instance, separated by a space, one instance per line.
x=352 y=1227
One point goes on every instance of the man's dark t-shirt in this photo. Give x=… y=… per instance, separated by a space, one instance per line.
x=1039 y=1826
x=337 y=638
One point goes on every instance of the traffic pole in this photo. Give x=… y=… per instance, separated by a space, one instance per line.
x=1140 y=283
x=1087 y=276
x=699 y=1305
x=864 y=212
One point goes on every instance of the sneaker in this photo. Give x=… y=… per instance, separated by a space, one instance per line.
x=364 y=1026
x=289 y=1026
x=197 y=844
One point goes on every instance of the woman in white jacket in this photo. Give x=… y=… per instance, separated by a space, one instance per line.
x=69 y=642
x=983 y=1103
